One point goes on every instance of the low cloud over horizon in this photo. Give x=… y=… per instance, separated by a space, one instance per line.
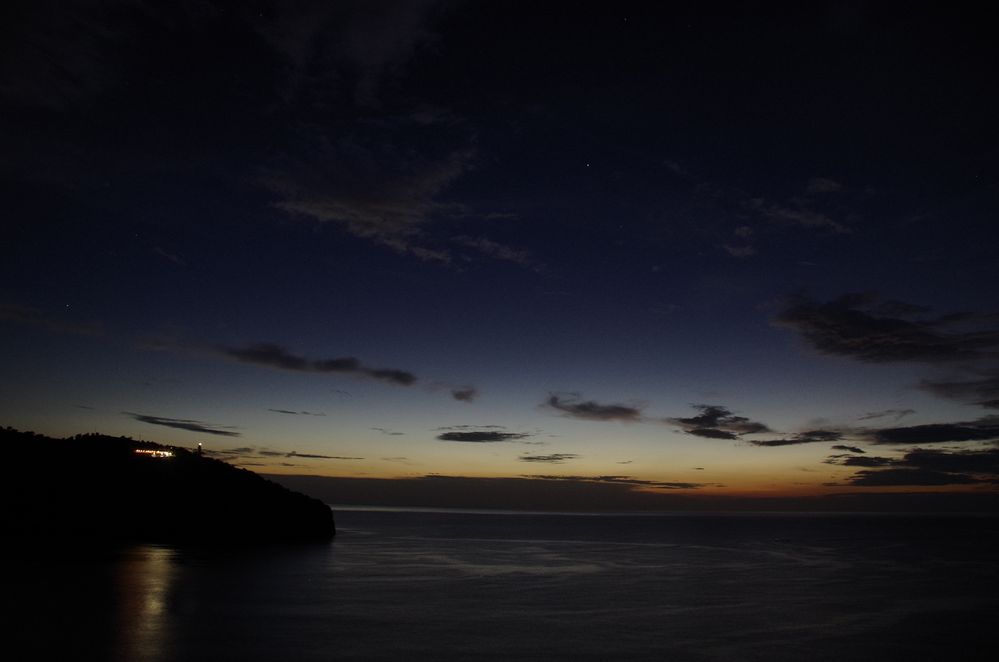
x=923 y=467
x=554 y=458
x=982 y=429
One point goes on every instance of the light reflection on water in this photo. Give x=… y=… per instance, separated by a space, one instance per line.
x=421 y=586
x=144 y=577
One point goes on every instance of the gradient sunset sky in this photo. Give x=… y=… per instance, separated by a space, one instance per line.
x=713 y=248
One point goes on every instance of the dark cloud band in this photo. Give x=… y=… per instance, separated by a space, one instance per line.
x=482 y=436
x=716 y=422
x=275 y=356
x=571 y=405
x=867 y=328
x=184 y=424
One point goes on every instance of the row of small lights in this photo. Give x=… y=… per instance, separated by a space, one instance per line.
x=145 y=451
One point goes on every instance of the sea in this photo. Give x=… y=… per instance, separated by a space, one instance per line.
x=422 y=584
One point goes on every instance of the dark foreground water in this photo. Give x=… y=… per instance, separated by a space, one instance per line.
x=408 y=585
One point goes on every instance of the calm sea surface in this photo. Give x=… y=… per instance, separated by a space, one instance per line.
x=431 y=585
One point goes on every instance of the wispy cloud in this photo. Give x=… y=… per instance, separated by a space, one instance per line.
x=572 y=405
x=172 y=257
x=310 y=456
x=185 y=424
x=498 y=251
x=897 y=414
x=380 y=193
x=388 y=432
x=797 y=213
x=482 y=436
x=465 y=394
x=377 y=166
x=809 y=437
x=981 y=390
x=621 y=480
x=275 y=356
x=296 y=413
x=314 y=456
x=554 y=458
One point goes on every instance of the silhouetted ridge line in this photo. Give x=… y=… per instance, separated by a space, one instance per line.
x=99 y=486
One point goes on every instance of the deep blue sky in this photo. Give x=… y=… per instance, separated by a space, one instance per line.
x=707 y=249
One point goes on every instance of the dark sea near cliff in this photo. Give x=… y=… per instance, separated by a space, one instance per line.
x=432 y=585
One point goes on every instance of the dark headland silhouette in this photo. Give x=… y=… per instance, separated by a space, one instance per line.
x=117 y=488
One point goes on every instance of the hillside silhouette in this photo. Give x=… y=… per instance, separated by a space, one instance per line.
x=97 y=486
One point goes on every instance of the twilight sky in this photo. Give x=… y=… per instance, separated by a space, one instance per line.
x=714 y=250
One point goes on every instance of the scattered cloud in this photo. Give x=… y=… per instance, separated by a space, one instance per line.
x=717 y=422
x=482 y=436
x=465 y=394
x=810 y=437
x=378 y=163
x=897 y=414
x=922 y=466
x=185 y=424
x=983 y=429
x=380 y=187
x=983 y=390
x=275 y=356
x=867 y=328
x=295 y=413
x=554 y=458
x=621 y=480
x=571 y=405
x=975 y=461
x=916 y=477
x=172 y=257
x=388 y=432
x=711 y=433
x=321 y=457
x=471 y=427
x=861 y=461
x=797 y=213
x=851 y=449
x=242 y=450
x=498 y=251
x=312 y=456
